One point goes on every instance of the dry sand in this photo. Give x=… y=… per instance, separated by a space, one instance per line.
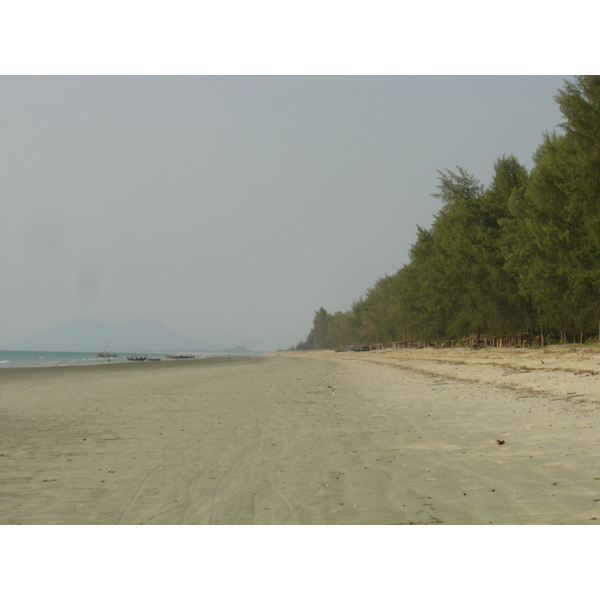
x=390 y=437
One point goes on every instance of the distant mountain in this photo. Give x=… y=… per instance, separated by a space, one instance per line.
x=264 y=343
x=91 y=335
x=141 y=335
x=239 y=350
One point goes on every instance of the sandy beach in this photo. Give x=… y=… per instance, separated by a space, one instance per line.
x=387 y=437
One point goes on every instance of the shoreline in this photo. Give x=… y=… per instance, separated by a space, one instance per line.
x=7 y=372
x=36 y=359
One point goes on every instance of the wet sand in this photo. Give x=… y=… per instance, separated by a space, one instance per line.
x=391 y=437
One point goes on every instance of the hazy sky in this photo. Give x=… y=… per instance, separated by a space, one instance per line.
x=233 y=205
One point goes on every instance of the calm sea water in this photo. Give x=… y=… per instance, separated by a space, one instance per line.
x=13 y=358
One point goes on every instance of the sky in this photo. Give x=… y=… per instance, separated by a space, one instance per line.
x=234 y=205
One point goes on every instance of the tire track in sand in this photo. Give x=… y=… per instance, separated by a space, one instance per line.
x=158 y=468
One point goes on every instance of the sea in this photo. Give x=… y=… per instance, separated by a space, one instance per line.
x=22 y=358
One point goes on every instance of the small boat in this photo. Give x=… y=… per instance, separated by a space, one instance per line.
x=138 y=358
x=154 y=359
x=105 y=354
x=178 y=356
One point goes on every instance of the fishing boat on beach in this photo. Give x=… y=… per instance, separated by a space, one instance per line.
x=137 y=358
x=178 y=356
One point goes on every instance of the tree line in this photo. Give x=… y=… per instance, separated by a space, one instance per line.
x=521 y=255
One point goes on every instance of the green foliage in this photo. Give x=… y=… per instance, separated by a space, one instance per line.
x=522 y=255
